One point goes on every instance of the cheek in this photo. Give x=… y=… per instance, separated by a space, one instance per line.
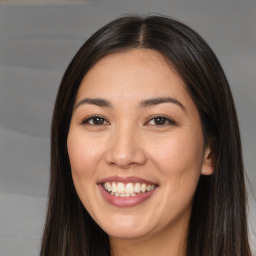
x=178 y=154
x=83 y=161
x=179 y=162
x=82 y=155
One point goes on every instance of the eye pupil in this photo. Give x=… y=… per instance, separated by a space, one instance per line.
x=160 y=120
x=98 y=120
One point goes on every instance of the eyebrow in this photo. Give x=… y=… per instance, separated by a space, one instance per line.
x=156 y=101
x=97 y=101
x=145 y=103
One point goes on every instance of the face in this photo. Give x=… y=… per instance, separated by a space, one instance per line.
x=136 y=145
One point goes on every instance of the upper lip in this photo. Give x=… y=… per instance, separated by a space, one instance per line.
x=131 y=179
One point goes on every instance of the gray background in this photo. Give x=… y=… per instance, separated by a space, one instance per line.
x=37 y=41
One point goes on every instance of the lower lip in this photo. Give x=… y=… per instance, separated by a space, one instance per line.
x=125 y=201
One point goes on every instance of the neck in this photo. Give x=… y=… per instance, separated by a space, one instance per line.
x=170 y=242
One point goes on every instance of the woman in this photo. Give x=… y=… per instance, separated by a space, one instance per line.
x=145 y=151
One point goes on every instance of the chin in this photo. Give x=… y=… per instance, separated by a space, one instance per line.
x=126 y=234
x=127 y=229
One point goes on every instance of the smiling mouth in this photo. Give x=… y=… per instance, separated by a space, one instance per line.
x=120 y=189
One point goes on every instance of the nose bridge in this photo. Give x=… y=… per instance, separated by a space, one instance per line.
x=126 y=148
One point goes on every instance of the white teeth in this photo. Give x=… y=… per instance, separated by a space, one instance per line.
x=127 y=190
x=120 y=188
x=137 y=188
x=143 y=188
x=114 y=188
x=108 y=187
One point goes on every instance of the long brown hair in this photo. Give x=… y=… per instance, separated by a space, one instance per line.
x=218 y=223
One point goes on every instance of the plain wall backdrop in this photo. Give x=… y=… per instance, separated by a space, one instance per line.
x=38 y=40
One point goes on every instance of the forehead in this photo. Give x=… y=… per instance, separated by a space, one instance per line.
x=136 y=72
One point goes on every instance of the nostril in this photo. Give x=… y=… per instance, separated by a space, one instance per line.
x=124 y=150
x=124 y=160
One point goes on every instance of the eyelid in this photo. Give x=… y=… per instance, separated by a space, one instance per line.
x=88 y=118
x=168 y=119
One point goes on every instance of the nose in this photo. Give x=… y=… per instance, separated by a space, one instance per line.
x=125 y=148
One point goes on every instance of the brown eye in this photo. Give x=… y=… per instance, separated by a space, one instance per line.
x=160 y=121
x=95 y=120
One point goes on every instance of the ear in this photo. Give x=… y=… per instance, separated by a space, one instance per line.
x=207 y=166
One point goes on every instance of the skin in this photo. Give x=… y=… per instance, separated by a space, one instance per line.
x=129 y=141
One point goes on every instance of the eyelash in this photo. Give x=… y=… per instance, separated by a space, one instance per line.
x=93 y=118
x=164 y=119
